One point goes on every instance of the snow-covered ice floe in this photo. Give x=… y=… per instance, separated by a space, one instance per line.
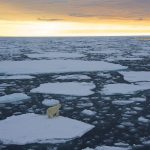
x=135 y=76
x=16 y=77
x=66 y=88
x=123 y=88
x=123 y=58
x=107 y=148
x=15 y=97
x=56 y=66
x=55 y=55
x=50 y=102
x=75 y=77
x=122 y=102
x=88 y=112
x=143 y=120
x=138 y=99
x=33 y=128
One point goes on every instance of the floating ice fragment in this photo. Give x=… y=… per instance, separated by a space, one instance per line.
x=15 y=97
x=136 y=76
x=55 y=66
x=123 y=88
x=50 y=102
x=33 y=128
x=88 y=112
x=66 y=88
x=143 y=120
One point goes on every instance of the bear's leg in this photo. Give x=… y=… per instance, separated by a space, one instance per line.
x=51 y=115
x=57 y=113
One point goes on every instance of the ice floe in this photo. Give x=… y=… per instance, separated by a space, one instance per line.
x=123 y=58
x=135 y=76
x=15 y=97
x=16 y=77
x=123 y=88
x=55 y=55
x=107 y=148
x=50 y=102
x=55 y=66
x=66 y=88
x=122 y=102
x=88 y=112
x=33 y=128
x=143 y=120
x=138 y=99
x=74 y=77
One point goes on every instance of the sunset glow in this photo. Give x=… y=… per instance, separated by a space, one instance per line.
x=60 y=18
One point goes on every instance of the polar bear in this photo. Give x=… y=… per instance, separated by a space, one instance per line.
x=53 y=111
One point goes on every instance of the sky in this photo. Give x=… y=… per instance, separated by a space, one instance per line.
x=74 y=17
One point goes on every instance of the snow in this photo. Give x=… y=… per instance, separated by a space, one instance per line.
x=123 y=58
x=135 y=76
x=143 y=120
x=16 y=77
x=110 y=148
x=141 y=54
x=75 y=77
x=33 y=128
x=50 y=102
x=66 y=88
x=123 y=88
x=107 y=148
x=138 y=99
x=13 y=98
x=129 y=58
x=88 y=112
x=55 y=55
x=108 y=52
x=55 y=66
x=88 y=148
x=122 y=102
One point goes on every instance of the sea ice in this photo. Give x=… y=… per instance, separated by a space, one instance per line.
x=55 y=66
x=123 y=58
x=50 y=102
x=135 y=76
x=66 y=88
x=143 y=120
x=138 y=99
x=75 y=77
x=122 y=102
x=88 y=112
x=123 y=88
x=11 y=98
x=107 y=148
x=33 y=128
x=110 y=148
x=16 y=77
x=55 y=55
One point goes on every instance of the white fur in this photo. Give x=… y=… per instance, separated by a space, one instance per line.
x=53 y=111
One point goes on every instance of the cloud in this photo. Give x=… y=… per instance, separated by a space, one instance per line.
x=81 y=15
x=59 y=10
x=50 y=19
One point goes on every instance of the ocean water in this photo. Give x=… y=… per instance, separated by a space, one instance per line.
x=120 y=101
